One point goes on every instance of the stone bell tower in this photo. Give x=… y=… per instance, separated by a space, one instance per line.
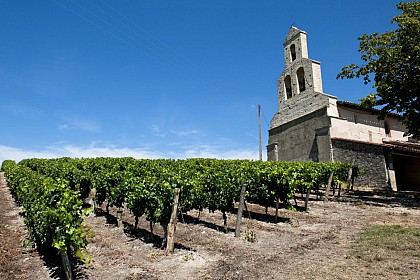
x=301 y=74
x=300 y=97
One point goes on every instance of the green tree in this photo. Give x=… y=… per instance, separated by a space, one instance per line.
x=392 y=59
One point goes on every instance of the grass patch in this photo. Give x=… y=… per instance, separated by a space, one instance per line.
x=393 y=239
x=391 y=249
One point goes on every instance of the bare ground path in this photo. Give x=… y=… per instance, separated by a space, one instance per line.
x=312 y=245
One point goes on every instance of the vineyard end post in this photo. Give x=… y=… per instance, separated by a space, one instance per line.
x=172 y=224
x=119 y=218
x=66 y=265
x=308 y=191
x=327 y=191
x=240 y=209
x=349 y=180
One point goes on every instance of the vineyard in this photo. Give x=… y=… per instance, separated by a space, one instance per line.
x=53 y=192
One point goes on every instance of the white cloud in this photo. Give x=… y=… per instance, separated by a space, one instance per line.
x=17 y=154
x=182 y=133
x=219 y=154
x=79 y=123
x=22 y=110
x=158 y=131
x=108 y=151
x=63 y=127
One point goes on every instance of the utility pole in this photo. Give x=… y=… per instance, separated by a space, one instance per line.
x=259 y=130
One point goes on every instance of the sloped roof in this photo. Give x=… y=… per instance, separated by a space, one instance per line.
x=360 y=107
x=405 y=146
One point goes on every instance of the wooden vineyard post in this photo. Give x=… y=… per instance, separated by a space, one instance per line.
x=66 y=265
x=119 y=218
x=172 y=223
x=327 y=192
x=92 y=200
x=339 y=190
x=349 y=180
x=277 y=210
x=346 y=184
x=240 y=209
x=308 y=191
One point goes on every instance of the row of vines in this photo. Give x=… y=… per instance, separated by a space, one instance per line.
x=52 y=191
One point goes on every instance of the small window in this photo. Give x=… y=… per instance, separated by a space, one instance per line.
x=301 y=79
x=293 y=52
x=288 y=86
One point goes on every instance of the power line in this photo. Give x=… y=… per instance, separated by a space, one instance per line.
x=119 y=26
x=156 y=41
x=265 y=119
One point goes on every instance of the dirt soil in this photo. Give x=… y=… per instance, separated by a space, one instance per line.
x=300 y=245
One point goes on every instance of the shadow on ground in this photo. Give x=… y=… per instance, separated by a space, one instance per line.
x=383 y=198
x=52 y=259
x=148 y=237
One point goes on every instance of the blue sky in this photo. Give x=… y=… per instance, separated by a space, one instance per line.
x=162 y=79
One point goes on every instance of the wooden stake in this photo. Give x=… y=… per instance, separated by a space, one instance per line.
x=66 y=265
x=247 y=211
x=277 y=209
x=308 y=191
x=152 y=236
x=339 y=190
x=240 y=209
x=119 y=218
x=327 y=192
x=225 y=225
x=172 y=224
x=349 y=181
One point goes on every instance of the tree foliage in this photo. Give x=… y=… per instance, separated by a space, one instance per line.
x=392 y=58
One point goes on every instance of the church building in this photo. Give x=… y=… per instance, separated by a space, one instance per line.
x=311 y=125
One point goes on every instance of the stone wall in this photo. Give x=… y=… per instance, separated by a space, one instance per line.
x=299 y=106
x=370 y=158
x=303 y=139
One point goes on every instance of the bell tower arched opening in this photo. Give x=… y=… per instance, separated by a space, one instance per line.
x=293 y=52
x=301 y=79
x=288 y=86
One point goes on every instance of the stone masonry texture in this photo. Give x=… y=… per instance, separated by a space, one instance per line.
x=370 y=158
